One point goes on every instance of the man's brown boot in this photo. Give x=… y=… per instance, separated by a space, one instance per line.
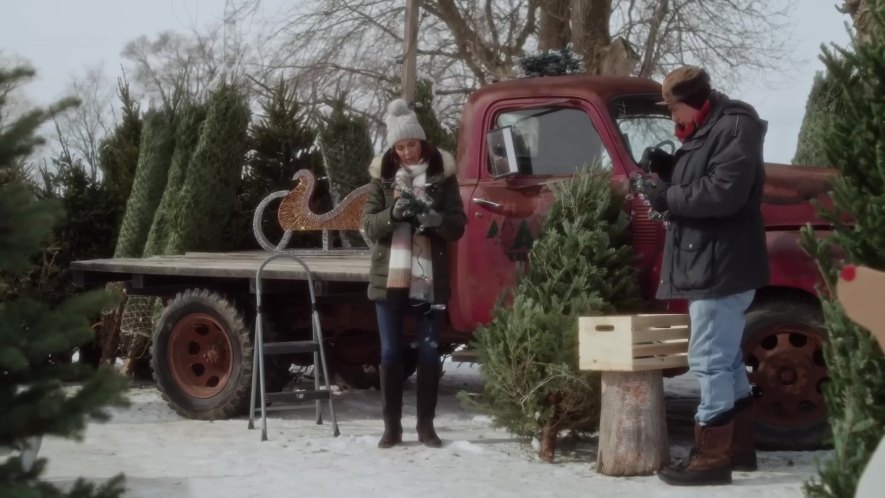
x=709 y=464
x=743 y=441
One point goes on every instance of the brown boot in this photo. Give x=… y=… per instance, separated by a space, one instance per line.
x=392 y=405
x=743 y=441
x=709 y=464
x=428 y=388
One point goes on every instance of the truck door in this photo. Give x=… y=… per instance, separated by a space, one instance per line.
x=547 y=142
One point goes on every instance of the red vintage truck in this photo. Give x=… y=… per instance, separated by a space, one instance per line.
x=516 y=138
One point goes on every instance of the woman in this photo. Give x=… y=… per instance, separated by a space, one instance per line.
x=413 y=211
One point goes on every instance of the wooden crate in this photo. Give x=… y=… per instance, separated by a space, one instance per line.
x=633 y=343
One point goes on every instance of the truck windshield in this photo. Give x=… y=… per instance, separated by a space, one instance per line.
x=642 y=123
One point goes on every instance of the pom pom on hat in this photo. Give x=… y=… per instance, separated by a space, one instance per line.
x=402 y=123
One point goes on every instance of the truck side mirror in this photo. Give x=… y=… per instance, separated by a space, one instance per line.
x=502 y=152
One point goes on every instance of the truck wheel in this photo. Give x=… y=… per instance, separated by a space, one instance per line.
x=202 y=356
x=783 y=349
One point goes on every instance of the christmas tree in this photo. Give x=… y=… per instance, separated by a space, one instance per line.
x=551 y=63
x=157 y=145
x=436 y=134
x=855 y=393
x=280 y=143
x=187 y=133
x=347 y=149
x=34 y=397
x=581 y=265
x=823 y=103
x=210 y=187
x=119 y=150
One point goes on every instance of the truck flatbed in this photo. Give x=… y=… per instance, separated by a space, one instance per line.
x=225 y=265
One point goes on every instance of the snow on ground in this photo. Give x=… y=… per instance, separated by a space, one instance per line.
x=165 y=455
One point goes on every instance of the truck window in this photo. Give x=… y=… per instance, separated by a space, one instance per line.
x=553 y=140
x=642 y=123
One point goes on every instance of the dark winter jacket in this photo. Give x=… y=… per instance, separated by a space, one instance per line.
x=442 y=186
x=715 y=243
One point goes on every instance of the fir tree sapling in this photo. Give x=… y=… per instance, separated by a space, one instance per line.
x=35 y=394
x=581 y=265
x=855 y=392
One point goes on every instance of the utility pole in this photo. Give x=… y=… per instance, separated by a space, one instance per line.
x=410 y=51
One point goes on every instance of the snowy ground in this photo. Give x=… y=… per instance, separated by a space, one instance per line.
x=164 y=455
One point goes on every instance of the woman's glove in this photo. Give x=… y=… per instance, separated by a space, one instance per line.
x=402 y=209
x=430 y=219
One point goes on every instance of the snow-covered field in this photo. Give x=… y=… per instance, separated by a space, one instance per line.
x=164 y=455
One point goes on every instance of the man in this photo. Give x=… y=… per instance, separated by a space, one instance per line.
x=715 y=256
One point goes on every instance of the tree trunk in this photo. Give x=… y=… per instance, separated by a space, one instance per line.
x=555 y=31
x=548 y=442
x=592 y=39
x=861 y=17
x=632 y=425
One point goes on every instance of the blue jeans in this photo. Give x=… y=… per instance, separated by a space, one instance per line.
x=391 y=317
x=714 y=352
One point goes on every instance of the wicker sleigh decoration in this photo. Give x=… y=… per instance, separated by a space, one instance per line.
x=294 y=214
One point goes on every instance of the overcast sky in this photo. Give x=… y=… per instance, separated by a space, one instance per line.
x=61 y=38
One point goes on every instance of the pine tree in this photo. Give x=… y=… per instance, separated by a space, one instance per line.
x=187 y=134
x=346 y=148
x=823 y=103
x=157 y=146
x=279 y=144
x=119 y=151
x=436 y=133
x=210 y=187
x=34 y=398
x=855 y=392
x=581 y=265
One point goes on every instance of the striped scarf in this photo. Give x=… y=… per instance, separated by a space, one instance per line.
x=411 y=266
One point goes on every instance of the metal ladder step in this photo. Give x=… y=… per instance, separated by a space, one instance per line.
x=259 y=393
x=296 y=396
x=291 y=347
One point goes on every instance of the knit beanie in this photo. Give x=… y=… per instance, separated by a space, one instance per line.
x=402 y=123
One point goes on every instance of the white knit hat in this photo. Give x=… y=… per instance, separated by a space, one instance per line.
x=402 y=123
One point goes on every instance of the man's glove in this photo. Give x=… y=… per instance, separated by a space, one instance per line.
x=657 y=196
x=658 y=161
x=430 y=219
x=402 y=209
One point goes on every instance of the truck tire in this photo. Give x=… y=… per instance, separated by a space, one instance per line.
x=783 y=349
x=202 y=356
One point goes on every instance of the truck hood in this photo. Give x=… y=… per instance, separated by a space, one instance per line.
x=788 y=191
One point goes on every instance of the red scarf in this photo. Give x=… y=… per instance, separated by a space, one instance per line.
x=684 y=132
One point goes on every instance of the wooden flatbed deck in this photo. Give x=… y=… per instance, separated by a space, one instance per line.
x=229 y=265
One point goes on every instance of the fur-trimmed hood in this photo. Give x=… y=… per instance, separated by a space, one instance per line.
x=442 y=162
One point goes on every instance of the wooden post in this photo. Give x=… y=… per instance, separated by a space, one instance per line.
x=632 y=424
x=410 y=51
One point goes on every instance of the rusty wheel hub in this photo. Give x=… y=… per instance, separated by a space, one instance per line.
x=786 y=363
x=200 y=355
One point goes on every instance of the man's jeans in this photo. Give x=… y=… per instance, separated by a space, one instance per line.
x=391 y=316
x=714 y=352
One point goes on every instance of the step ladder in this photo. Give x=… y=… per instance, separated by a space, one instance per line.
x=314 y=346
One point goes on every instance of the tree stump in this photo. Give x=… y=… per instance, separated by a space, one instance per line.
x=633 y=425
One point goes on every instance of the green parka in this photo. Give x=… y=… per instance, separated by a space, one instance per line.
x=442 y=187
